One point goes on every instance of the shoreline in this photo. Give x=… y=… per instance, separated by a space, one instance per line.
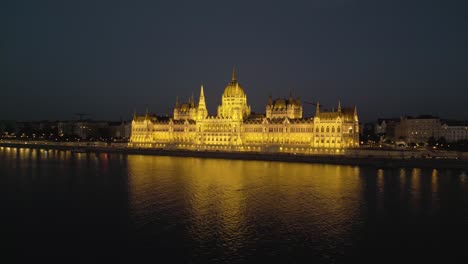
x=352 y=160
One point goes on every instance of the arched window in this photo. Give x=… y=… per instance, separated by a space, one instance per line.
x=333 y=129
x=328 y=129
x=338 y=129
x=317 y=130
x=322 y=129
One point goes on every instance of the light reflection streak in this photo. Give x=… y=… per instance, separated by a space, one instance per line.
x=228 y=198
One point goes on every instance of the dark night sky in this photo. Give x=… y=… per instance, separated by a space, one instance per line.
x=106 y=58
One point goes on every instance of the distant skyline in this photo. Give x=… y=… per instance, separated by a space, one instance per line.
x=107 y=58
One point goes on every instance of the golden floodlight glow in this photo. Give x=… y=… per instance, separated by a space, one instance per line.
x=281 y=129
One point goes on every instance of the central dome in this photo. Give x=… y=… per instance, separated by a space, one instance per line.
x=233 y=89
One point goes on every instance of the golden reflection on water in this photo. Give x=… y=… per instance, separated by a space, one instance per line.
x=234 y=203
x=434 y=180
x=415 y=189
x=227 y=198
x=232 y=194
x=402 y=178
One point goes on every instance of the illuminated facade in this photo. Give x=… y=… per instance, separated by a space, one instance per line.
x=234 y=128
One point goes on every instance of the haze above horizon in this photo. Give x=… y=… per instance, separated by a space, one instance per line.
x=107 y=58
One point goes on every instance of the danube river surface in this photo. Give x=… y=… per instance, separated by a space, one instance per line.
x=84 y=207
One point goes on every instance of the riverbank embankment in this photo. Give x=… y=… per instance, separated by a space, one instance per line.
x=356 y=157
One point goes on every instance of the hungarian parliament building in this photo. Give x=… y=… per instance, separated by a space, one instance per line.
x=281 y=129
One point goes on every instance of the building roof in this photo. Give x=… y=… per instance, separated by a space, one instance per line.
x=148 y=116
x=256 y=116
x=182 y=121
x=233 y=89
x=279 y=120
x=421 y=117
x=387 y=120
x=455 y=122
x=346 y=113
x=283 y=103
x=185 y=107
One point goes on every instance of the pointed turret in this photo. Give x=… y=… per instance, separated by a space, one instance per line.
x=134 y=114
x=202 y=112
x=177 y=102
x=270 y=100
x=317 y=110
x=201 y=101
x=339 y=106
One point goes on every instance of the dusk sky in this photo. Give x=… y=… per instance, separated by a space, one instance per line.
x=107 y=58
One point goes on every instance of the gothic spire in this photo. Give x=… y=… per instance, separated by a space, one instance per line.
x=201 y=101
x=339 y=105
x=202 y=112
x=177 y=101
x=234 y=75
x=317 y=110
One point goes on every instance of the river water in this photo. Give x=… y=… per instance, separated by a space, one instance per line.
x=68 y=207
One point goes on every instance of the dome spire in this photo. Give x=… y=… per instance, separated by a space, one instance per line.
x=234 y=75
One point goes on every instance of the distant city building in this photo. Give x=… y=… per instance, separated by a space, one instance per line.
x=418 y=129
x=89 y=129
x=65 y=128
x=282 y=128
x=385 y=128
x=454 y=131
x=120 y=130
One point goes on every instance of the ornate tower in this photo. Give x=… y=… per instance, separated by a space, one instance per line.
x=202 y=112
x=234 y=101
